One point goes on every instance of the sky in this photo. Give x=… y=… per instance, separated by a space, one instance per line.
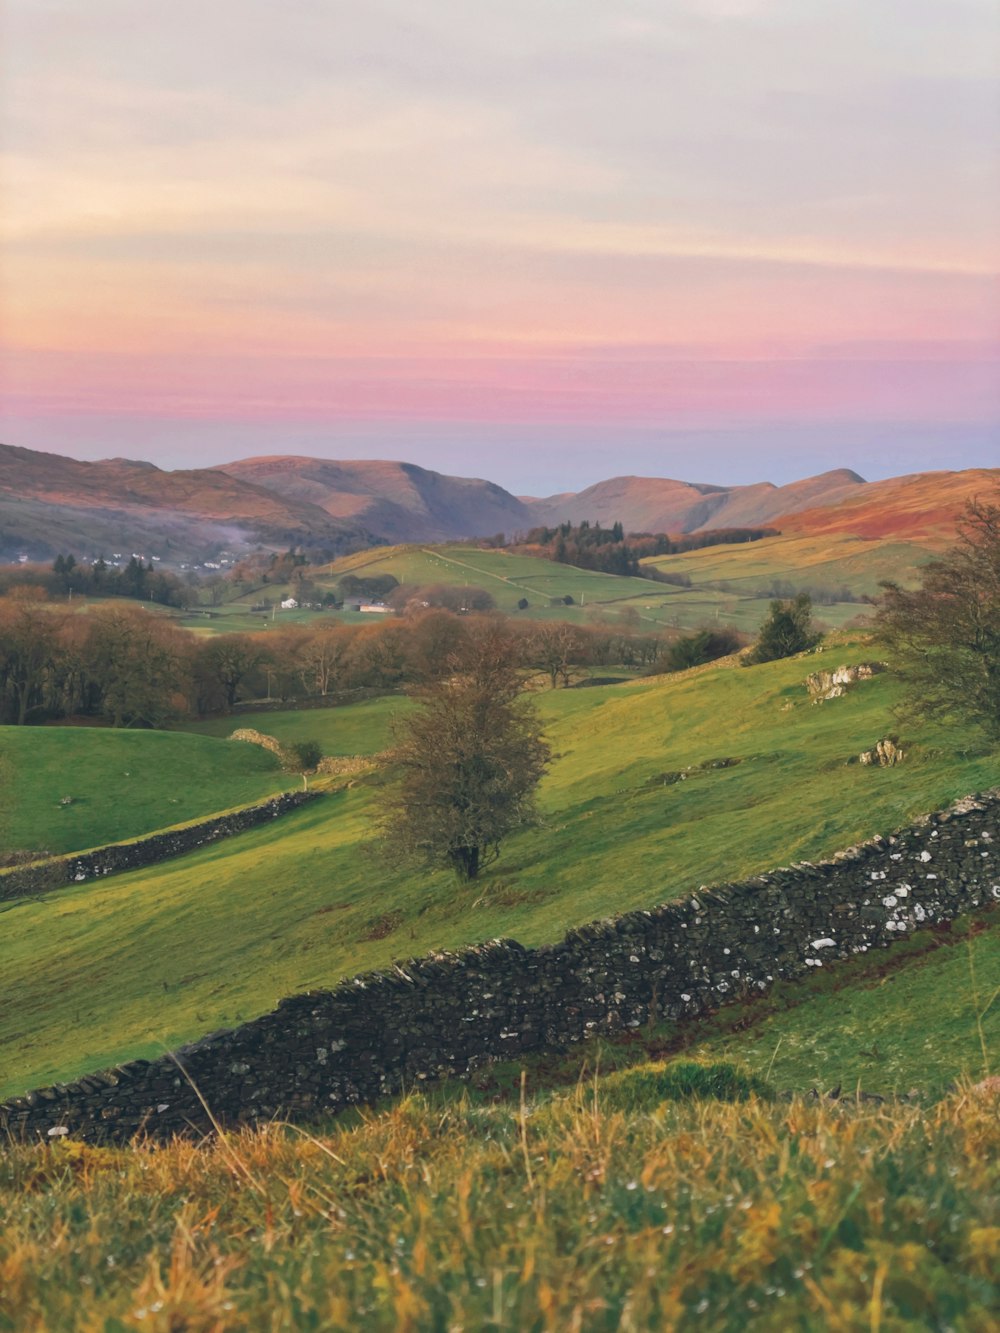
x=540 y=241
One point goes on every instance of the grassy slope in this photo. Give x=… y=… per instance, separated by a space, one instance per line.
x=824 y=561
x=510 y=577
x=123 y=783
x=362 y=728
x=921 y=1024
x=747 y=571
x=122 y=968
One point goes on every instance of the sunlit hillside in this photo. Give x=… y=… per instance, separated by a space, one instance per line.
x=147 y=960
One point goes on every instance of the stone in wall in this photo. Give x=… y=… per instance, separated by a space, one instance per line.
x=447 y=1014
x=76 y=868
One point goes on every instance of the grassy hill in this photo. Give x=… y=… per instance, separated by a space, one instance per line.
x=361 y=728
x=121 y=783
x=147 y=960
x=829 y=561
x=509 y=577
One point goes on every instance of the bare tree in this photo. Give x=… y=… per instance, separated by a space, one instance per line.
x=468 y=760
x=945 y=635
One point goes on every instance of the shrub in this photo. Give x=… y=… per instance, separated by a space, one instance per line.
x=787 y=629
x=697 y=649
x=305 y=755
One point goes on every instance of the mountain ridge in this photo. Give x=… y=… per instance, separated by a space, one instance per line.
x=50 y=503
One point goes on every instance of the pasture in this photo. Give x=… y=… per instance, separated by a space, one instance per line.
x=147 y=960
x=70 y=788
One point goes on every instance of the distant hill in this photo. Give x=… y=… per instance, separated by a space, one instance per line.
x=399 y=501
x=50 y=504
x=922 y=507
x=656 y=504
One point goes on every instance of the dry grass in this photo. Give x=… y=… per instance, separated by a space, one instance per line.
x=559 y=1213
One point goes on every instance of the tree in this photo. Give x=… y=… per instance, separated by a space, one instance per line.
x=137 y=664
x=786 y=630
x=554 y=647
x=28 y=631
x=945 y=635
x=225 y=663
x=468 y=761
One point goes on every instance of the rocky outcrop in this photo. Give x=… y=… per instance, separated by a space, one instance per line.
x=449 y=1013
x=884 y=754
x=832 y=684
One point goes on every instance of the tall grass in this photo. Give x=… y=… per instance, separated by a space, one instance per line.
x=565 y=1213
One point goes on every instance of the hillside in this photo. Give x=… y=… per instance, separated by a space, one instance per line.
x=50 y=504
x=656 y=504
x=921 y=508
x=399 y=501
x=512 y=577
x=222 y=934
x=70 y=788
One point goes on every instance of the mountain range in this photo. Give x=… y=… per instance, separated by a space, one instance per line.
x=51 y=504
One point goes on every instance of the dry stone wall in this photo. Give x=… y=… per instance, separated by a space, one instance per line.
x=59 y=871
x=449 y=1013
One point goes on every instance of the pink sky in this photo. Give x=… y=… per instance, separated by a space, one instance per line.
x=757 y=236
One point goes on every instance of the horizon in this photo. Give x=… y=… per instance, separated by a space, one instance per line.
x=787 y=477
x=745 y=238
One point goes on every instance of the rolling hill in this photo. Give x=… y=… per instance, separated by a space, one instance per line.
x=657 y=504
x=50 y=504
x=401 y=502
x=147 y=960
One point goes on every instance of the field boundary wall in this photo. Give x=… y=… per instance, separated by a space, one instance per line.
x=447 y=1014
x=60 y=872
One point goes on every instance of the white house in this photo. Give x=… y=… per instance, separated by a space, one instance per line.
x=289 y=604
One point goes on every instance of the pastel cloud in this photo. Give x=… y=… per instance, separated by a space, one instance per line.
x=542 y=211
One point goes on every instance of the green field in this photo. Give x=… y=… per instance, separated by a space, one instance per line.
x=509 y=577
x=730 y=584
x=361 y=728
x=119 y=783
x=142 y=962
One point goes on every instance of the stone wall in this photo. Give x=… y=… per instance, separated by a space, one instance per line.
x=447 y=1014
x=59 y=871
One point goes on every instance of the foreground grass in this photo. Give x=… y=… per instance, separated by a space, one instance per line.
x=119 y=784
x=142 y=962
x=605 y=1208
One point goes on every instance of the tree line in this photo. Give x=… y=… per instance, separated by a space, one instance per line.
x=133 y=667
x=67 y=577
x=588 y=545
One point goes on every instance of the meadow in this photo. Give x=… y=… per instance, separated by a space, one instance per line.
x=71 y=788
x=511 y=577
x=829 y=561
x=145 y=961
